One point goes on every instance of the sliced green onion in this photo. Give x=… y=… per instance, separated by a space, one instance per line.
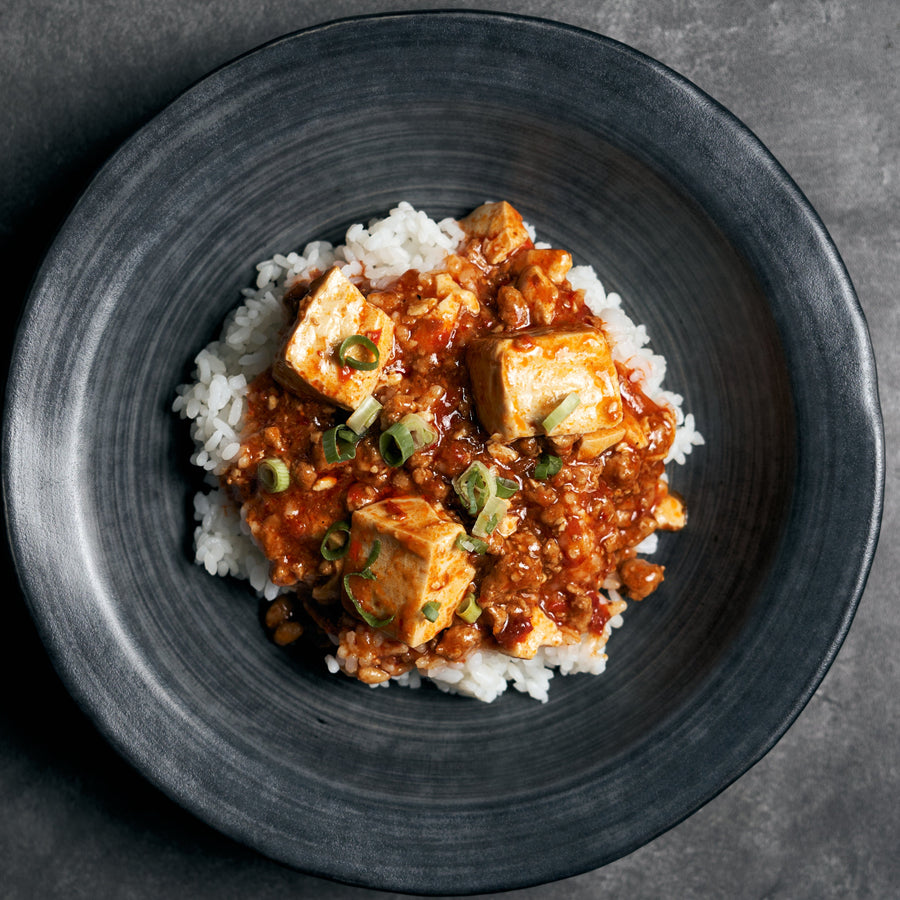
x=374 y=621
x=364 y=415
x=273 y=475
x=339 y=444
x=469 y=610
x=396 y=445
x=330 y=552
x=431 y=610
x=373 y=555
x=422 y=433
x=562 y=412
x=475 y=487
x=548 y=465
x=490 y=517
x=471 y=544
x=358 y=340
x=506 y=487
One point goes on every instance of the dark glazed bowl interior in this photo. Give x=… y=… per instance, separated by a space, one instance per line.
x=681 y=210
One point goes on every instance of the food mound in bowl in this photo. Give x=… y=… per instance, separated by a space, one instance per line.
x=441 y=447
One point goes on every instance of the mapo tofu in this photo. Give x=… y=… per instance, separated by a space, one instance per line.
x=452 y=462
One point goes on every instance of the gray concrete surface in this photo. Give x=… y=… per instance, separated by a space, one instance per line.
x=819 y=82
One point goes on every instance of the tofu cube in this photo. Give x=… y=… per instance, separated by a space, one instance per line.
x=540 y=293
x=555 y=263
x=519 y=378
x=597 y=442
x=500 y=228
x=418 y=563
x=308 y=363
x=544 y=633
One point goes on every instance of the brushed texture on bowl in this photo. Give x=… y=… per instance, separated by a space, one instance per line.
x=681 y=210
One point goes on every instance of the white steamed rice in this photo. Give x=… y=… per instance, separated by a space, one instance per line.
x=214 y=403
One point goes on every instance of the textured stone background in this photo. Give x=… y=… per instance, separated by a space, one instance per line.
x=819 y=82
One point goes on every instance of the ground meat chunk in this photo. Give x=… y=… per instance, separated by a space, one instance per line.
x=640 y=577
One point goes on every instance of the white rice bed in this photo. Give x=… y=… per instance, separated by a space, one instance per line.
x=214 y=403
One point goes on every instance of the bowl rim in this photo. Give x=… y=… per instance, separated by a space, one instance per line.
x=21 y=370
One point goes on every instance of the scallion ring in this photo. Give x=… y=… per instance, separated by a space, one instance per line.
x=423 y=434
x=330 y=552
x=469 y=610
x=368 y=618
x=274 y=475
x=547 y=466
x=471 y=544
x=373 y=555
x=431 y=610
x=364 y=415
x=490 y=517
x=339 y=444
x=396 y=445
x=506 y=487
x=561 y=412
x=359 y=340
x=475 y=486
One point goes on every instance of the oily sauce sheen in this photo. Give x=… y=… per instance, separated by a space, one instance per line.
x=563 y=537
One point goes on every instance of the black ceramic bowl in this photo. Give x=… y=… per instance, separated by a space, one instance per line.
x=683 y=212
